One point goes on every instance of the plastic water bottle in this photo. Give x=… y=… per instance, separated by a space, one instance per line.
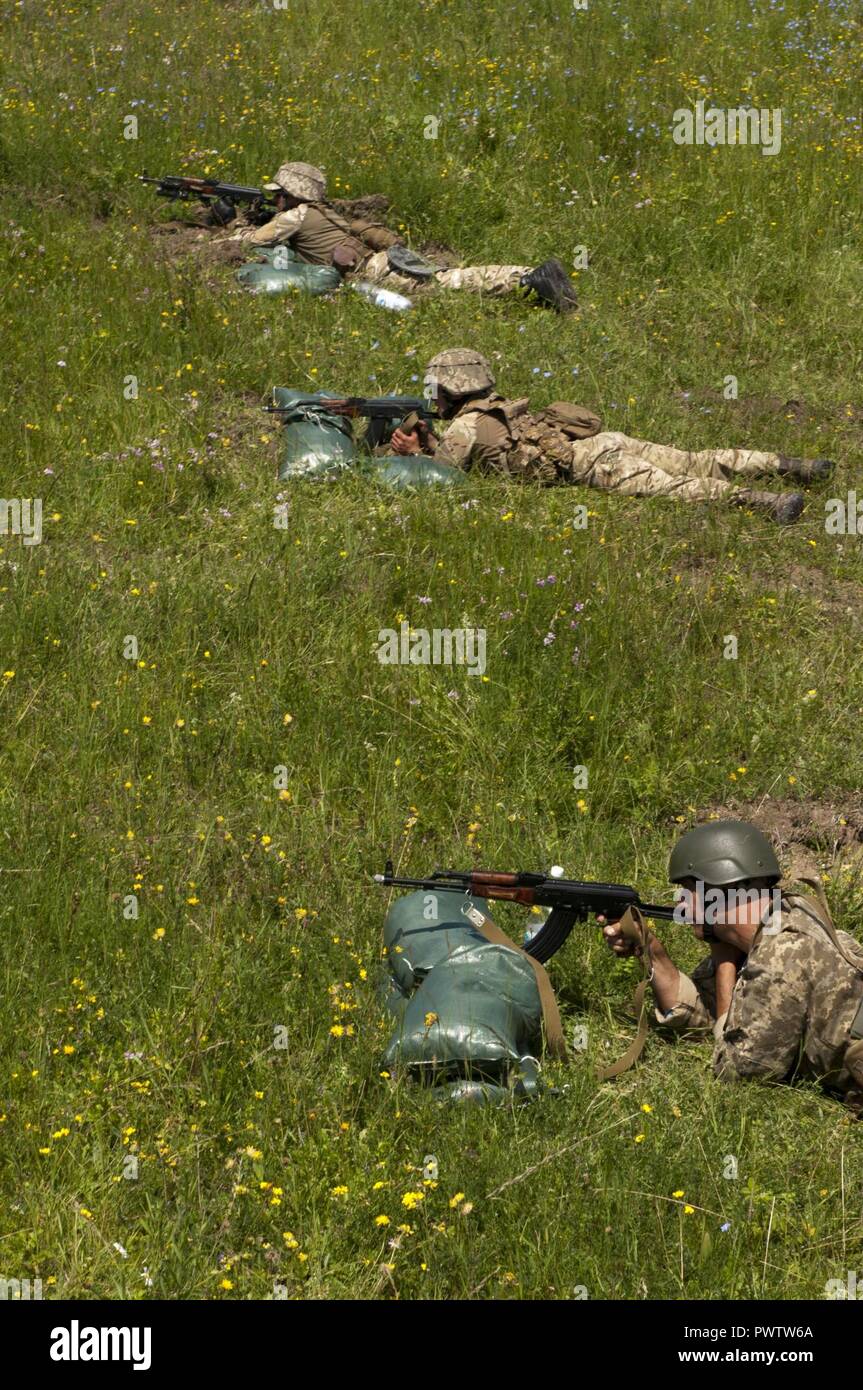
x=384 y=299
x=554 y=872
x=533 y=931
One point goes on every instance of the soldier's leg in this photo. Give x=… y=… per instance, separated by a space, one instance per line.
x=377 y=271
x=701 y=463
x=490 y=279
x=606 y=462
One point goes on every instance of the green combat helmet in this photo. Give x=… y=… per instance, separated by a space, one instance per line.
x=460 y=372
x=723 y=852
x=301 y=181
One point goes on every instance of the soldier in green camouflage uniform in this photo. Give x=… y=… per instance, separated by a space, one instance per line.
x=565 y=443
x=321 y=236
x=782 y=990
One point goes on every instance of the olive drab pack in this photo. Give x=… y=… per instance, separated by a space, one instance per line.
x=273 y=277
x=575 y=421
x=540 y=440
x=468 y=1004
x=316 y=445
x=405 y=471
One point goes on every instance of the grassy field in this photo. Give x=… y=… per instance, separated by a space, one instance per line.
x=154 y=1141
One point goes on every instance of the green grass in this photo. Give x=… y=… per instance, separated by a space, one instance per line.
x=155 y=777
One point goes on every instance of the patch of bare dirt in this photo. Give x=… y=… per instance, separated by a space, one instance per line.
x=440 y=252
x=175 y=241
x=805 y=831
x=837 y=596
x=371 y=205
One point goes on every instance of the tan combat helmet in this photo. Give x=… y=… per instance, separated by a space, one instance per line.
x=302 y=181
x=460 y=372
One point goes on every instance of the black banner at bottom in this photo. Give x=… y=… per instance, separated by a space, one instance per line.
x=221 y=1338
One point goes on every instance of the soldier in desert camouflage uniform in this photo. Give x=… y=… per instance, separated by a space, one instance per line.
x=782 y=990
x=321 y=236
x=565 y=443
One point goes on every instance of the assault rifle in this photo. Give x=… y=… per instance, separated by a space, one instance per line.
x=221 y=197
x=410 y=412
x=570 y=900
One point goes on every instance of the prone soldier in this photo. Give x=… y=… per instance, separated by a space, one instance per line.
x=566 y=443
x=782 y=989
x=321 y=236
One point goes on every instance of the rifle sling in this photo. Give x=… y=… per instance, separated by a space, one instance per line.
x=554 y=1039
x=823 y=918
x=633 y=930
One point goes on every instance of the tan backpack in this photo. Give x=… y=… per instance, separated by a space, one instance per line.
x=575 y=421
x=542 y=440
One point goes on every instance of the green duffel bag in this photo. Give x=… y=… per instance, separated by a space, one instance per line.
x=306 y=279
x=471 y=1013
x=278 y=256
x=403 y=471
x=522 y=1083
x=422 y=929
x=317 y=445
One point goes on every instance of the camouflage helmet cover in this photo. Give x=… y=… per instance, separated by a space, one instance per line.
x=302 y=181
x=460 y=371
x=723 y=852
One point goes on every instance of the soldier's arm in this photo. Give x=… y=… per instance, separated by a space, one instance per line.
x=277 y=232
x=682 y=1004
x=457 y=445
x=475 y=440
x=764 y=1029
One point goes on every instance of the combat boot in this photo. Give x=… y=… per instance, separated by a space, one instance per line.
x=552 y=285
x=784 y=507
x=805 y=470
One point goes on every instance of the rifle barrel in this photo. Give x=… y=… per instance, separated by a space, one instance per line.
x=571 y=895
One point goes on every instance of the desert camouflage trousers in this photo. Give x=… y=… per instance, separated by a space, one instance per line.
x=636 y=468
x=490 y=279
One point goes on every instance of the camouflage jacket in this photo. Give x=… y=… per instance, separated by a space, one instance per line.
x=792 y=1008
x=312 y=229
x=494 y=435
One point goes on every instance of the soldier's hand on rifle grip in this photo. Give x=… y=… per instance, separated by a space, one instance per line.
x=405 y=442
x=223 y=211
x=615 y=940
